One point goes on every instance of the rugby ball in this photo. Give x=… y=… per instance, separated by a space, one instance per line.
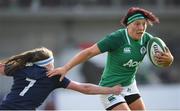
x=155 y=46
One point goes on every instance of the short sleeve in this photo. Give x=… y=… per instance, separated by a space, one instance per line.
x=110 y=42
x=64 y=83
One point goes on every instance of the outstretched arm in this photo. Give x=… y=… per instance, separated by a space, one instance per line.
x=93 y=89
x=77 y=59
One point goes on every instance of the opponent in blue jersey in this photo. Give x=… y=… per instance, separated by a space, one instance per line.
x=31 y=86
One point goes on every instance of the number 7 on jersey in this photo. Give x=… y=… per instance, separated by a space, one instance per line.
x=31 y=83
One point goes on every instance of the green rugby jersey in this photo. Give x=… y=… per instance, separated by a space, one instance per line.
x=124 y=57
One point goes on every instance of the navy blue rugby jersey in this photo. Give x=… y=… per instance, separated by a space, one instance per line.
x=30 y=88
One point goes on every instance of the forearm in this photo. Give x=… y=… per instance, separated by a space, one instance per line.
x=82 y=56
x=77 y=59
x=88 y=88
x=95 y=89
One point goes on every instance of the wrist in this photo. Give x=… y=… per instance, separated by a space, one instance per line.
x=112 y=90
x=66 y=68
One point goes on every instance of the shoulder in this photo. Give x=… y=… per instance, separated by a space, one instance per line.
x=116 y=36
x=148 y=35
x=112 y=41
x=118 y=33
x=34 y=72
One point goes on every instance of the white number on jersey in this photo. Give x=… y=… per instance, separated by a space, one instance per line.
x=31 y=83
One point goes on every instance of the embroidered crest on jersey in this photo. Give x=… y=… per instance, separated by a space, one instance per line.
x=143 y=50
x=127 y=50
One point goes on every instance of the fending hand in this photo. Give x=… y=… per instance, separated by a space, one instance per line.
x=57 y=71
x=117 y=89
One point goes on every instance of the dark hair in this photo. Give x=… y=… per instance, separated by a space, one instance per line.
x=151 y=18
x=19 y=61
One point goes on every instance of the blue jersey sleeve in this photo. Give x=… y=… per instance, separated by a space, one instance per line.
x=64 y=83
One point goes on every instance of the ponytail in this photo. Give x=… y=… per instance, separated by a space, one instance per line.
x=21 y=60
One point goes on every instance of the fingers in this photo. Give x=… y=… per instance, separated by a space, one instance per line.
x=52 y=73
x=61 y=78
x=49 y=74
x=162 y=55
x=164 y=58
x=160 y=60
x=57 y=71
x=117 y=89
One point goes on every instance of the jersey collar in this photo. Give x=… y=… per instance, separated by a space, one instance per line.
x=128 y=38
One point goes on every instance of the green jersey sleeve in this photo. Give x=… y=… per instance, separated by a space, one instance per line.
x=110 y=42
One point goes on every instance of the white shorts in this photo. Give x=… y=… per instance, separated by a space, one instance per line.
x=110 y=99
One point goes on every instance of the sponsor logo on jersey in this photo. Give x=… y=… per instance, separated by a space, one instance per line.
x=127 y=50
x=132 y=63
x=143 y=50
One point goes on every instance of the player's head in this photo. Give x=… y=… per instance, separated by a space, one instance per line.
x=39 y=56
x=136 y=13
x=44 y=58
x=136 y=21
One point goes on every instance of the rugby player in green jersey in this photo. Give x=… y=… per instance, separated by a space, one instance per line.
x=126 y=49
